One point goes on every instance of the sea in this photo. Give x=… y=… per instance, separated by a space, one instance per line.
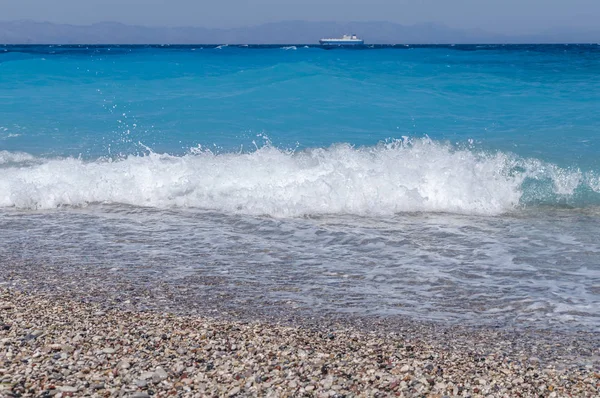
x=453 y=184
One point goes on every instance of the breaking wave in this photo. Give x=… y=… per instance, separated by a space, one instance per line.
x=397 y=176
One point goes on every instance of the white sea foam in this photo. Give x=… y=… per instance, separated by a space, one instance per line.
x=7 y=157
x=565 y=181
x=396 y=177
x=593 y=181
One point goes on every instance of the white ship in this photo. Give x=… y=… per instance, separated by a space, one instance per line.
x=346 y=40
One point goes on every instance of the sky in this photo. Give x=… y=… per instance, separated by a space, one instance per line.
x=500 y=16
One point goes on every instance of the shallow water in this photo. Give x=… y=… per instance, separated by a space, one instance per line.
x=528 y=269
x=458 y=184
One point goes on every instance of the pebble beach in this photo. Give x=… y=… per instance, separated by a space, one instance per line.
x=56 y=346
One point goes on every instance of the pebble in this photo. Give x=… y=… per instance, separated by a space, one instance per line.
x=140 y=395
x=159 y=375
x=208 y=357
x=123 y=365
x=146 y=375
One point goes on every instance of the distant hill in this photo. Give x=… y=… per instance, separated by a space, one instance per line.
x=288 y=32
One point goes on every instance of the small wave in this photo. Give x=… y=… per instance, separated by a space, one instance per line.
x=289 y=48
x=7 y=157
x=8 y=135
x=393 y=177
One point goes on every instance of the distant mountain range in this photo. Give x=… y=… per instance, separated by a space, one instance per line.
x=288 y=32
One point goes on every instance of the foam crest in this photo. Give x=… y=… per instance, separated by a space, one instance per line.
x=7 y=157
x=565 y=181
x=594 y=183
x=399 y=176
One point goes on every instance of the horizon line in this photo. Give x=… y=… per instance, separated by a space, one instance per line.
x=311 y=45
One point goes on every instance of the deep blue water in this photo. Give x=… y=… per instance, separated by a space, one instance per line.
x=474 y=169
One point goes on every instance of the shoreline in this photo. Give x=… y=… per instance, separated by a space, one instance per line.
x=213 y=298
x=55 y=346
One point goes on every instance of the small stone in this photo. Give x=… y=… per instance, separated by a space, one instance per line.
x=140 y=395
x=108 y=350
x=146 y=375
x=67 y=389
x=159 y=375
x=141 y=383
x=234 y=391
x=123 y=365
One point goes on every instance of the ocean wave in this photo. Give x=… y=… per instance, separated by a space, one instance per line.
x=397 y=176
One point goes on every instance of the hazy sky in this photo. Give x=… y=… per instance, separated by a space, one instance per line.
x=504 y=16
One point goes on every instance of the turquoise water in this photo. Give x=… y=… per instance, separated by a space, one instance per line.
x=534 y=101
x=487 y=153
